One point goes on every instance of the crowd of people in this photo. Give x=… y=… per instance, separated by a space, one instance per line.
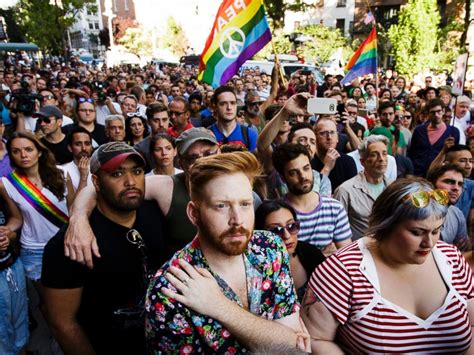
x=152 y=213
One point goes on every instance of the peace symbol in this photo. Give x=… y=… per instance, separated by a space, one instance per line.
x=233 y=46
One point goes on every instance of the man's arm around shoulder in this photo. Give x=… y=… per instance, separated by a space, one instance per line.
x=62 y=298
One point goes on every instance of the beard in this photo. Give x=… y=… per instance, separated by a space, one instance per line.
x=298 y=189
x=220 y=242
x=120 y=202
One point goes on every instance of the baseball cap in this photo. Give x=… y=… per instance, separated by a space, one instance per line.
x=48 y=111
x=191 y=136
x=109 y=156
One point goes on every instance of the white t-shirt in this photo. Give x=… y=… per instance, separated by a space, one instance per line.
x=102 y=111
x=66 y=120
x=176 y=171
x=36 y=230
x=73 y=170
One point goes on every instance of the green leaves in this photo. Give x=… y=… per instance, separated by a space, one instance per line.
x=324 y=42
x=417 y=42
x=45 y=23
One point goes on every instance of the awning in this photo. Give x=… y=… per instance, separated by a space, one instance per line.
x=11 y=47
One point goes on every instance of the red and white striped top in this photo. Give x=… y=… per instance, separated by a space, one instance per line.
x=348 y=285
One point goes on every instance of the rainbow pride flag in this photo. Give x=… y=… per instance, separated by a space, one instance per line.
x=240 y=30
x=364 y=60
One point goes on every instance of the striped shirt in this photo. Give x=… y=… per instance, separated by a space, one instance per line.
x=325 y=224
x=347 y=284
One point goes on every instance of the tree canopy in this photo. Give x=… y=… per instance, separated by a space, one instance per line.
x=137 y=41
x=276 y=10
x=45 y=23
x=322 y=44
x=175 y=38
x=418 y=42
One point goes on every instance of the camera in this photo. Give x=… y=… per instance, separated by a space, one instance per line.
x=98 y=85
x=24 y=99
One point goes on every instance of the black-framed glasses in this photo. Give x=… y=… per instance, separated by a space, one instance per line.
x=85 y=99
x=292 y=228
x=176 y=113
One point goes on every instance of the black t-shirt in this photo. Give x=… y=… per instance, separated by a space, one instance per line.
x=60 y=150
x=98 y=134
x=115 y=282
x=344 y=169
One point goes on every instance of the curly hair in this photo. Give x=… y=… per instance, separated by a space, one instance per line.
x=51 y=177
x=128 y=129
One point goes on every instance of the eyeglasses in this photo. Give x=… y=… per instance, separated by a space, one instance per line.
x=48 y=97
x=46 y=120
x=292 y=228
x=406 y=117
x=85 y=99
x=175 y=113
x=327 y=133
x=421 y=199
x=191 y=159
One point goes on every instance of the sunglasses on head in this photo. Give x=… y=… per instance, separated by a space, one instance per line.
x=421 y=199
x=292 y=228
x=85 y=99
x=134 y=114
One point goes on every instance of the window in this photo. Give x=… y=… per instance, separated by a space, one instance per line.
x=115 y=5
x=341 y=24
x=341 y=3
x=96 y=25
x=91 y=26
x=125 y=5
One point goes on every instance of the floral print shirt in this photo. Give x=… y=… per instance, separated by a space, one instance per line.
x=173 y=328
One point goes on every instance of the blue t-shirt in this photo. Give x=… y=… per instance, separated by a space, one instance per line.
x=466 y=200
x=236 y=137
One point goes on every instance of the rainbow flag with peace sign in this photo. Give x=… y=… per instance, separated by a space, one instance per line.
x=240 y=30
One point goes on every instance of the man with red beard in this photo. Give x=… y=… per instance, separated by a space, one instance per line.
x=230 y=290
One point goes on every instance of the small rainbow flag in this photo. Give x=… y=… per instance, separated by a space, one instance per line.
x=240 y=30
x=364 y=60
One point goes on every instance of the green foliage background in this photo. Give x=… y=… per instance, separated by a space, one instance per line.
x=45 y=24
x=324 y=42
x=417 y=41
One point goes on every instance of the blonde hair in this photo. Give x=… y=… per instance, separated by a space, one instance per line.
x=209 y=168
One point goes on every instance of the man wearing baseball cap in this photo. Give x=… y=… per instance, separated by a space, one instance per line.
x=170 y=192
x=100 y=310
x=50 y=120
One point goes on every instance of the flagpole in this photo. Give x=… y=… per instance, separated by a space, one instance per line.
x=374 y=24
x=277 y=62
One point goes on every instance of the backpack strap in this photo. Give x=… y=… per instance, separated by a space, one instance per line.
x=245 y=135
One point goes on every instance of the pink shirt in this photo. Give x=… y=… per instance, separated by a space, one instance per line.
x=435 y=133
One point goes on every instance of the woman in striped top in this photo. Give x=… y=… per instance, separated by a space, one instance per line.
x=399 y=290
